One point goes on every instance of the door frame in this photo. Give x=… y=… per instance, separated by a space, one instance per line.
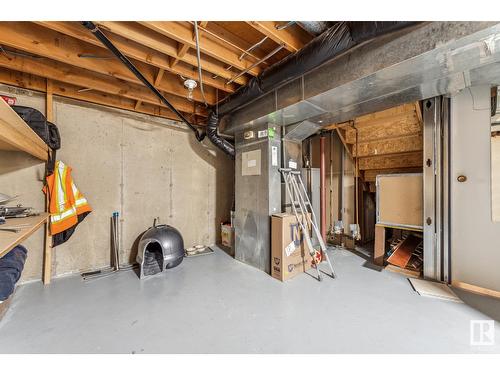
x=436 y=207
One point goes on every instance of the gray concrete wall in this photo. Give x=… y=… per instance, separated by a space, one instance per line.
x=141 y=166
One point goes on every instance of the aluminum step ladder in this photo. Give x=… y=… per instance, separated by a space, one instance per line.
x=301 y=206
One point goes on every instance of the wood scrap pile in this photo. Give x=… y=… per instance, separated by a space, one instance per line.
x=407 y=252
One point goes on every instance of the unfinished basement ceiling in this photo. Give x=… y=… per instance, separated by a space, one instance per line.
x=67 y=59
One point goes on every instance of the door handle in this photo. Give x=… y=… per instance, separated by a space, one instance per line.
x=462 y=178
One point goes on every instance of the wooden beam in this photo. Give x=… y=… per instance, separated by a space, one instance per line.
x=291 y=38
x=232 y=38
x=49 y=102
x=139 y=52
x=342 y=139
x=36 y=83
x=370 y=175
x=35 y=39
x=476 y=289
x=182 y=33
x=47 y=245
x=54 y=70
x=159 y=77
x=156 y=41
x=183 y=48
x=411 y=159
x=389 y=146
x=339 y=125
x=138 y=105
x=418 y=112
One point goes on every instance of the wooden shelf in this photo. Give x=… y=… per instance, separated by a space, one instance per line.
x=8 y=240
x=16 y=135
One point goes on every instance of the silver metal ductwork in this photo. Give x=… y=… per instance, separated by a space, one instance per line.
x=315 y=27
x=432 y=59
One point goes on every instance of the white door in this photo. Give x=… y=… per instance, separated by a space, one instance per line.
x=475 y=237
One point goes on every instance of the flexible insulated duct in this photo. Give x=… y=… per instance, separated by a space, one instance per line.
x=220 y=142
x=331 y=43
x=337 y=39
x=108 y=44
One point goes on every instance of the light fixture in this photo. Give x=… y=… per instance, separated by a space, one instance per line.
x=190 y=84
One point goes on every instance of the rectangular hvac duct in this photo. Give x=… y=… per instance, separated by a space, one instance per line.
x=436 y=58
x=258 y=193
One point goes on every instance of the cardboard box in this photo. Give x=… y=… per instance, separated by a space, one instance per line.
x=226 y=233
x=289 y=253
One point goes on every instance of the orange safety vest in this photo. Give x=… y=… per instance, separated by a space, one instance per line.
x=65 y=200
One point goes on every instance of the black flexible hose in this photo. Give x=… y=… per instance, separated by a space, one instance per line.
x=104 y=40
x=212 y=123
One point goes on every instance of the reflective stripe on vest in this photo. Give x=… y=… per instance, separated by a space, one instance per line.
x=66 y=201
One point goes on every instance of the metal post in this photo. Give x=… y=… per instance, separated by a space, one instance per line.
x=322 y=186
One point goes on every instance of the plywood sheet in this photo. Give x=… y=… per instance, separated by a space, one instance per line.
x=433 y=289
x=400 y=200
x=402 y=254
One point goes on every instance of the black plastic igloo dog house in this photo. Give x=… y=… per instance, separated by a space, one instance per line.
x=160 y=247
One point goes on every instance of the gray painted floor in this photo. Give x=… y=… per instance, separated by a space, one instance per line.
x=214 y=304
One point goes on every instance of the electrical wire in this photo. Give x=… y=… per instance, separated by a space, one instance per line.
x=109 y=45
x=199 y=62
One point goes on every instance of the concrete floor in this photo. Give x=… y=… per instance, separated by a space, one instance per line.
x=214 y=304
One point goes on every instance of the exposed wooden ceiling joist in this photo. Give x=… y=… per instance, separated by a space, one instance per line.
x=139 y=52
x=154 y=40
x=86 y=79
x=183 y=48
x=68 y=50
x=36 y=83
x=164 y=52
x=293 y=40
x=182 y=32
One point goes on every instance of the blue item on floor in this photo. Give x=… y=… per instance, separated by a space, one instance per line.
x=11 y=267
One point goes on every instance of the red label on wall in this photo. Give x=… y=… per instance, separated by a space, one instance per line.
x=9 y=100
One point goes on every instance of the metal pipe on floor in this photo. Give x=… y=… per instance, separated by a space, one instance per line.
x=322 y=185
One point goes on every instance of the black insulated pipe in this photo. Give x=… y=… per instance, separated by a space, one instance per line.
x=109 y=45
x=337 y=39
x=218 y=141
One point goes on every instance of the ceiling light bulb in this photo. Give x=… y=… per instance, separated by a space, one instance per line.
x=190 y=84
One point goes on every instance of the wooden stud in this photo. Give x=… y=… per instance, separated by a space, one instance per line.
x=159 y=77
x=142 y=53
x=418 y=112
x=183 y=48
x=342 y=139
x=379 y=249
x=182 y=33
x=47 y=248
